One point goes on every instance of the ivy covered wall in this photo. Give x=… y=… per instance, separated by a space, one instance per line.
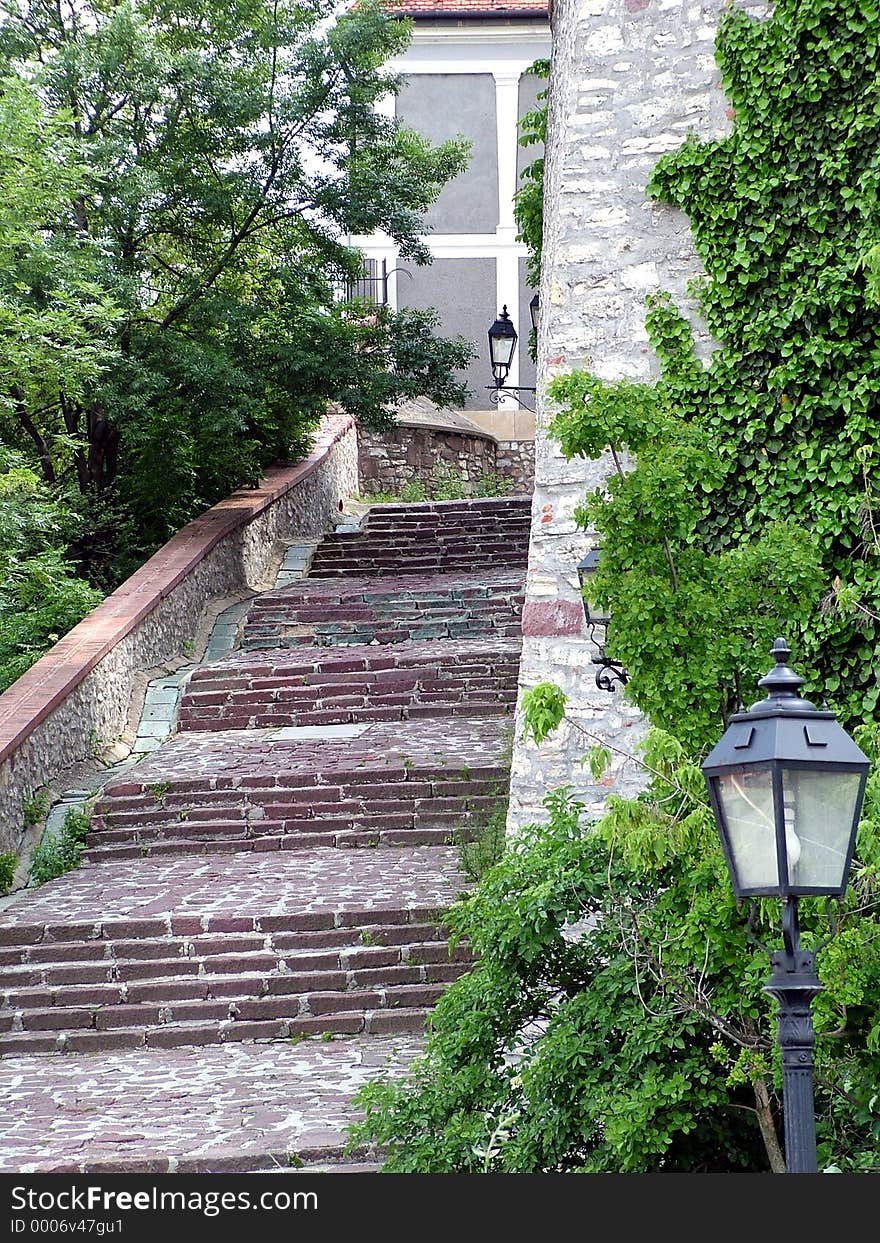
x=629 y=80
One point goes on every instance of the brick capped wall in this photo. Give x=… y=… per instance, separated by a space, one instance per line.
x=80 y=692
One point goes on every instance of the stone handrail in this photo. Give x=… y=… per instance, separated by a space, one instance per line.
x=79 y=693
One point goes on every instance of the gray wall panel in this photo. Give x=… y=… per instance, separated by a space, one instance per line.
x=444 y=105
x=462 y=291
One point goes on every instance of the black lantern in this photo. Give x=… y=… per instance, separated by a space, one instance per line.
x=502 y=343
x=610 y=673
x=535 y=312
x=786 y=784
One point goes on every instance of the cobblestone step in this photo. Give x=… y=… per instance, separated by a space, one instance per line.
x=386 y=610
x=179 y=1021
x=115 y=979
x=443 y=538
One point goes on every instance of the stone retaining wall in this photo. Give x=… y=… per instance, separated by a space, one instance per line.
x=78 y=696
x=629 y=80
x=515 y=460
x=388 y=460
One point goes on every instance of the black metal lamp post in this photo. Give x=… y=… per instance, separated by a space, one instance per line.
x=786 y=784
x=502 y=343
x=610 y=673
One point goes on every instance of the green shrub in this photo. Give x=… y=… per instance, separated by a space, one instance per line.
x=492 y=484
x=481 y=851
x=60 y=852
x=447 y=483
x=413 y=491
x=8 y=865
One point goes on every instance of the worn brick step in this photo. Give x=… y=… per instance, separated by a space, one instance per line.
x=26 y=983
x=233 y=716
x=27 y=986
x=295 y=820
x=241 y=981
x=212 y=1029
x=309 y=929
x=194 y=1034
x=288 y=840
x=394 y=680
x=395 y=948
x=406 y=989
x=512 y=535
x=283 y=804
x=365 y=785
x=290 y=814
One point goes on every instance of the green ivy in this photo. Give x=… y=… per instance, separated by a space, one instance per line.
x=785 y=215
x=528 y=203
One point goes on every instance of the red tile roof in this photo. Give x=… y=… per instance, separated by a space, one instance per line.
x=470 y=8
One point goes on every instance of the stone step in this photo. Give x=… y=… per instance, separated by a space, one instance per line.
x=276 y=710
x=392 y=610
x=241 y=1106
x=377 y=1020
x=297 y=839
x=233 y=975
x=408 y=989
x=353 y=807
x=340 y=949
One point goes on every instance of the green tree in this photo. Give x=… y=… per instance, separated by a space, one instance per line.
x=615 y=1022
x=56 y=323
x=528 y=204
x=231 y=149
x=41 y=597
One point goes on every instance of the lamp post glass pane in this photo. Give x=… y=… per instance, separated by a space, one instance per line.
x=501 y=348
x=820 y=807
x=596 y=614
x=746 y=798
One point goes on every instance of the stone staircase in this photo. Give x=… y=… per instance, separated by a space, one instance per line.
x=467 y=536
x=269 y=881
x=313 y=687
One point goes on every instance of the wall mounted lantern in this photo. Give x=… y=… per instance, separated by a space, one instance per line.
x=502 y=344
x=535 y=312
x=786 y=784
x=610 y=673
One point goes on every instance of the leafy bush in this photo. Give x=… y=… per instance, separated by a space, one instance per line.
x=60 y=852
x=40 y=596
x=8 y=866
x=615 y=1019
x=492 y=484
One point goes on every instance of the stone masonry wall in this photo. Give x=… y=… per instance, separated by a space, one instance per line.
x=629 y=79
x=515 y=460
x=78 y=695
x=388 y=460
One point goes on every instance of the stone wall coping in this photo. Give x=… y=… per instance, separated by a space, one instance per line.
x=39 y=690
x=448 y=429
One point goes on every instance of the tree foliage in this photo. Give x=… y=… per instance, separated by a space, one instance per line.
x=206 y=164
x=41 y=597
x=528 y=203
x=615 y=1022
